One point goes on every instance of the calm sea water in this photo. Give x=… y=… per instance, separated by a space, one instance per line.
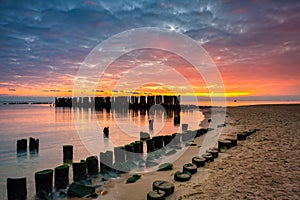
x=55 y=127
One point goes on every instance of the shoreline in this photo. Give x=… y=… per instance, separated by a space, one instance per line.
x=240 y=172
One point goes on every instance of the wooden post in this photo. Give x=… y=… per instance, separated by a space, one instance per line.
x=16 y=188
x=241 y=136
x=150 y=145
x=129 y=151
x=61 y=176
x=177 y=120
x=92 y=165
x=184 y=127
x=43 y=182
x=233 y=141
x=119 y=153
x=22 y=145
x=33 y=144
x=79 y=171
x=158 y=142
x=214 y=153
x=144 y=136
x=138 y=147
x=106 y=160
x=224 y=144
x=67 y=153
x=167 y=139
x=176 y=138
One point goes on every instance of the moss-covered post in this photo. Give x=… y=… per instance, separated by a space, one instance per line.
x=43 y=182
x=68 y=153
x=92 y=165
x=79 y=171
x=16 y=188
x=61 y=176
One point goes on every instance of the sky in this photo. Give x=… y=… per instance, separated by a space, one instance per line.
x=255 y=44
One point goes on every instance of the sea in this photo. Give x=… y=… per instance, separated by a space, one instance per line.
x=80 y=127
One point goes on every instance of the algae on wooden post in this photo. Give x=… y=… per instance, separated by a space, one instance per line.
x=61 y=176
x=133 y=178
x=92 y=165
x=79 y=171
x=44 y=181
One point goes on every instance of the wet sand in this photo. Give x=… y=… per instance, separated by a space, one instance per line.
x=265 y=166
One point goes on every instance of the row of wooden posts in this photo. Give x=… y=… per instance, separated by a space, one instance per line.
x=33 y=144
x=162 y=189
x=16 y=187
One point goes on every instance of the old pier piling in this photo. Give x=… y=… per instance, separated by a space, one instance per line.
x=61 y=176
x=22 y=145
x=79 y=171
x=16 y=188
x=106 y=161
x=119 y=154
x=92 y=165
x=33 y=144
x=142 y=103
x=43 y=182
x=67 y=153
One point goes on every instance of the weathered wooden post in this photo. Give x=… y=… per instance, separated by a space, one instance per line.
x=184 y=127
x=242 y=136
x=167 y=139
x=176 y=120
x=22 y=145
x=106 y=160
x=233 y=141
x=79 y=171
x=43 y=182
x=144 y=136
x=92 y=165
x=150 y=145
x=138 y=147
x=61 y=176
x=214 y=153
x=33 y=144
x=224 y=144
x=129 y=151
x=106 y=132
x=176 y=138
x=151 y=124
x=158 y=142
x=16 y=188
x=67 y=153
x=119 y=154
x=198 y=161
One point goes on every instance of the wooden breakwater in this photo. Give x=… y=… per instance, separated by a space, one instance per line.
x=134 y=102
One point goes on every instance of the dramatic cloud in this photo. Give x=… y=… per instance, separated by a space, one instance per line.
x=256 y=44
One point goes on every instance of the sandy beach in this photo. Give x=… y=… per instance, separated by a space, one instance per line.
x=265 y=166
